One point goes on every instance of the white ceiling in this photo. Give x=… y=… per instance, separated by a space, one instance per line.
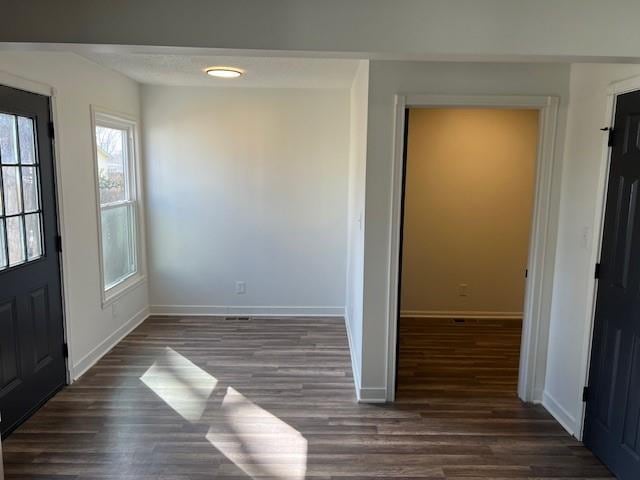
x=264 y=72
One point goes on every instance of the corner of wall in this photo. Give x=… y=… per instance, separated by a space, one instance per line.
x=91 y=358
x=359 y=102
x=564 y=418
x=355 y=368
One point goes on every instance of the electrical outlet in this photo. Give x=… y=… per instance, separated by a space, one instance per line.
x=241 y=288
x=463 y=290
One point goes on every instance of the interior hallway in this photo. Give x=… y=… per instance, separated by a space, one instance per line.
x=202 y=398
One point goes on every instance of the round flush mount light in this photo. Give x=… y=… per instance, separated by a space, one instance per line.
x=224 y=72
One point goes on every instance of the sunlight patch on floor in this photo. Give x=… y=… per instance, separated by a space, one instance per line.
x=184 y=386
x=258 y=442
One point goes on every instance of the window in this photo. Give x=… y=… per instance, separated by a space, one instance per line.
x=117 y=191
x=20 y=206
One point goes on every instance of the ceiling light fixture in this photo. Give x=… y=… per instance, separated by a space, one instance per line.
x=224 y=72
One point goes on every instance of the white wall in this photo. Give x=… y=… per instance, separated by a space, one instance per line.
x=399 y=29
x=469 y=188
x=79 y=84
x=389 y=78
x=577 y=239
x=246 y=185
x=359 y=103
x=282 y=189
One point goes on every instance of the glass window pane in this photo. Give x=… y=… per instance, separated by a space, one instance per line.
x=34 y=236
x=12 y=190
x=27 y=141
x=15 y=237
x=3 y=251
x=30 y=189
x=8 y=153
x=112 y=171
x=117 y=244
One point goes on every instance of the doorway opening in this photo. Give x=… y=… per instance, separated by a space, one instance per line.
x=468 y=199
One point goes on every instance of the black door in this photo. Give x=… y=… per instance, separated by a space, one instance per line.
x=612 y=428
x=32 y=361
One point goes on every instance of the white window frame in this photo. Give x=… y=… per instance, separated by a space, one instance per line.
x=105 y=118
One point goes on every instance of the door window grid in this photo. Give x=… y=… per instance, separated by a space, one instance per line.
x=20 y=205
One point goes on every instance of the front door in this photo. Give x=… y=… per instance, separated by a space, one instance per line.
x=612 y=428
x=32 y=359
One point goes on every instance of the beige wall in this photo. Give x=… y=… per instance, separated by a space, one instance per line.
x=469 y=197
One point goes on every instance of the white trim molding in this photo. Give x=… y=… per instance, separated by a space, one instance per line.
x=615 y=89
x=540 y=279
x=363 y=394
x=245 y=311
x=105 y=117
x=372 y=395
x=91 y=358
x=355 y=368
x=21 y=83
x=461 y=314
x=558 y=412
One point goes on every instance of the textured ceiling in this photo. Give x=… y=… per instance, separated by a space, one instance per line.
x=270 y=72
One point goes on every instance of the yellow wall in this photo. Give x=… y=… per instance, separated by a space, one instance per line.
x=468 y=204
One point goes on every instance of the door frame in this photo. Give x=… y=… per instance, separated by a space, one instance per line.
x=613 y=91
x=537 y=306
x=21 y=83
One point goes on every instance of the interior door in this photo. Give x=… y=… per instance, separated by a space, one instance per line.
x=32 y=359
x=612 y=428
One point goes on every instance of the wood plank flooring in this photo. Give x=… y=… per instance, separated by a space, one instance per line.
x=203 y=398
x=468 y=358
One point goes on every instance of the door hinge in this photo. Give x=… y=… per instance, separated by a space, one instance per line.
x=585 y=394
x=526 y=273
x=596 y=273
x=59 y=243
x=65 y=350
x=52 y=130
x=612 y=135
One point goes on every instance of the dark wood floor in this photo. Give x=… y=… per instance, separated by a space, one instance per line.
x=195 y=399
x=466 y=358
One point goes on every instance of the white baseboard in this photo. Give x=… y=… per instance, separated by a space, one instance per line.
x=363 y=394
x=373 y=395
x=241 y=311
x=558 y=412
x=90 y=359
x=459 y=314
x=355 y=368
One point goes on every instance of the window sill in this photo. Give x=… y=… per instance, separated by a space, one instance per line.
x=117 y=292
